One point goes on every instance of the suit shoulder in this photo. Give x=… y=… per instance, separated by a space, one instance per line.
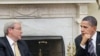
x=78 y=37
x=1 y=42
x=22 y=42
x=1 y=38
x=98 y=32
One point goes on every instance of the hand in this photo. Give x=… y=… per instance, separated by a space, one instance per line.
x=85 y=38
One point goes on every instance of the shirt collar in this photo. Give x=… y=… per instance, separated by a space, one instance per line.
x=10 y=40
x=94 y=36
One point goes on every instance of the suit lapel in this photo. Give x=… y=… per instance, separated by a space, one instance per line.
x=8 y=47
x=98 y=44
x=21 y=49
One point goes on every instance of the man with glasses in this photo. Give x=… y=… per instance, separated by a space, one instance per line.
x=11 y=44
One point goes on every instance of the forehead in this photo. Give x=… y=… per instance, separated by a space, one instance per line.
x=85 y=23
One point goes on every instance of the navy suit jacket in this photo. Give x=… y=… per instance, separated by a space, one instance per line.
x=5 y=48
x=84 y=52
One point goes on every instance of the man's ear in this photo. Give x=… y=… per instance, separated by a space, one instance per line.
x=10 y=29
x=94 y=28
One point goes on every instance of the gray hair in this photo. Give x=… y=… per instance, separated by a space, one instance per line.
x=10 y=24
x=92 y=20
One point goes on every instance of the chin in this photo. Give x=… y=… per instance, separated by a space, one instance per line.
x=19 y=38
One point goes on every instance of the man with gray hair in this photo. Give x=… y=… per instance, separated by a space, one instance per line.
x=11 y=44
x=88 y=42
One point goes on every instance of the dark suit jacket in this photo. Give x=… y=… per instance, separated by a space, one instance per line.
x=84 y=52
x=5 y=49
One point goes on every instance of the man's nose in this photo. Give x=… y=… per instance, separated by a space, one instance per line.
x=82 y=29
x=21 y=31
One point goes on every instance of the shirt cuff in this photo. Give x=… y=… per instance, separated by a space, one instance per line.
x=83 y=46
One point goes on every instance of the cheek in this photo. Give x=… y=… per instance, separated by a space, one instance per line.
x=91 y=30
x=16 y=33
x=88 y=30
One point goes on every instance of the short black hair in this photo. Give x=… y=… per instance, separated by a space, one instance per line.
x=90 y=19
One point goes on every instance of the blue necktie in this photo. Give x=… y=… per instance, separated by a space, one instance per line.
x=91 y=48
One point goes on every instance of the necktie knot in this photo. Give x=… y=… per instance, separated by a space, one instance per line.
x=90 y=39
x=15 y=43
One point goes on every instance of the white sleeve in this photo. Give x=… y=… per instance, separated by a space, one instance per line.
x=83 y=46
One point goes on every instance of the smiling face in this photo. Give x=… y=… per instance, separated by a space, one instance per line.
x=87 y=28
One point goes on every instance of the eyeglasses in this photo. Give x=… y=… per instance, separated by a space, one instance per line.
x=16 y=28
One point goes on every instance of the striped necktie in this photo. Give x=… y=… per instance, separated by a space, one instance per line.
x=91 y=48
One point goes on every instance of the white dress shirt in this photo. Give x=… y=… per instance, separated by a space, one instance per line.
x=93 y=41
x=11 y=42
